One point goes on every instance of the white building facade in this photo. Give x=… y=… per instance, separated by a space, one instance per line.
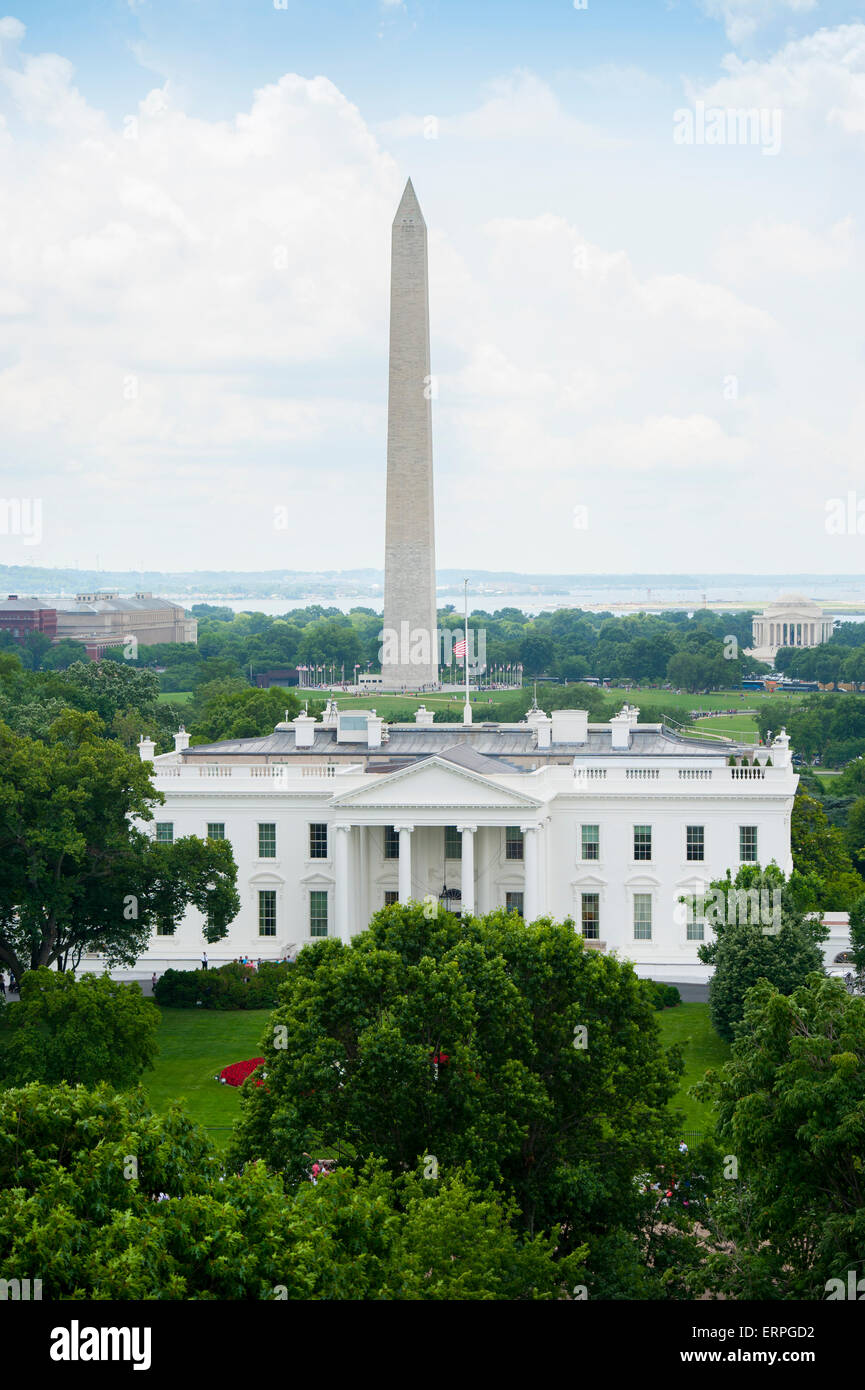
x=608 y=824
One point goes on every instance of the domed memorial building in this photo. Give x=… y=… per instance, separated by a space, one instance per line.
x=794 y=621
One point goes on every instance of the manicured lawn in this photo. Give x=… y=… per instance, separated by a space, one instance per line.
x=729 y=726
x=194 y=1046
x=175 y=697
x=689 y=1026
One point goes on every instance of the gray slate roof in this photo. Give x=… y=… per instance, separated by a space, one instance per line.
x=492 y=744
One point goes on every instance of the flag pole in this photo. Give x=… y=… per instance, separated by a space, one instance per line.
x=467 y=712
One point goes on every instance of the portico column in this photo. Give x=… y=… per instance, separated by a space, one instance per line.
x=531 y=858
x=468 y=867
x=404 y=862
x=340 y=872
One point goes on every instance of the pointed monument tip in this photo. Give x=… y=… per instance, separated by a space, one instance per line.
x=409 y=207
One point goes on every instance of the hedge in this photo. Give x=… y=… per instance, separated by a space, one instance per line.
x=230 y=986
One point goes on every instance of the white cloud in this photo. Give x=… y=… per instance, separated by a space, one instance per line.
x=193 y=329
x=519 y=107
x=742 y=18
x=787 y=249
x=818 y=82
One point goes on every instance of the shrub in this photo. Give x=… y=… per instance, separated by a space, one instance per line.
x=230 y=986
x=662 y=996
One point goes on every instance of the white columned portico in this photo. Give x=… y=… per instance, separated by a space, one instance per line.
x=531 y=864
x=340 y=871
x=405 y=833
x=467 y=892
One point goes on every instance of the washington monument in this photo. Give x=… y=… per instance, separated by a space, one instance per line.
x=409 y=646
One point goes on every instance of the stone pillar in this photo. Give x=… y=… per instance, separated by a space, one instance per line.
x=468 y=867
x=340 y=873
x=531 y=885
x=405 y=832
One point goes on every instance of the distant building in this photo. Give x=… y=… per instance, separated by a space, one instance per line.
x=104 y=619
x=794 y=621
x=21 y=616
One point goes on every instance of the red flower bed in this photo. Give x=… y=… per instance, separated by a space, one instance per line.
x=237 y=1073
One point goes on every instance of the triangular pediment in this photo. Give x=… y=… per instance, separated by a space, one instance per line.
x=436 y=783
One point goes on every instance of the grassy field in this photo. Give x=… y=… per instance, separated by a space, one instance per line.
x=739 y=726
x=689 y=1026
x=194 y=1046
x=175 y=697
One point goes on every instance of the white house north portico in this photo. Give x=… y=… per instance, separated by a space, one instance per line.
x=609 y=824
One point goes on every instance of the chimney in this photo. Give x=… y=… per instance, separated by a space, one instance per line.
x=780 y=748
x=570 y=725
x=423 y=716
x=146 y=749
x=543 y=730
x=304 y=730
x=620 y=729
x=181 y=740
x=373 y=730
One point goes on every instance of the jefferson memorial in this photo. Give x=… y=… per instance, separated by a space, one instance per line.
x=794 y=621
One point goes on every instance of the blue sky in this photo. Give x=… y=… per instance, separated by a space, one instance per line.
x=193 y=279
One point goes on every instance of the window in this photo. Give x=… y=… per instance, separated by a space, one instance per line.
x=267 y=841
x=590 y=914
x=453 y=843
x=165 y=832
x=695 y=842
x=267 y=912
x=642 y=916
x=216 y=830
x=514 y=903
x=513 y=842
x=162 y=930
x=642 y=842
x=694 y=929
x=318 y=914
x=591 y=841
x=318 y=842
x=748 y=844
x=391 y=843
x=391 y=896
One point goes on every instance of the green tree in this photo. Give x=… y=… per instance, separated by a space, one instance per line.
x=76 y=873
x=750 y=945
x=81 y=1171
x=791 y=1108
x=854 y=833
x=857 y=934
x=819 y=851
x=464 y=1040
x=81 y=1031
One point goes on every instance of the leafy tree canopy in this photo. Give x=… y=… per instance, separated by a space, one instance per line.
x=82 y=1031
x=76 y=874
x=463 y=1040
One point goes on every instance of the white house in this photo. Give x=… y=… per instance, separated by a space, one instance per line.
x=609 y=824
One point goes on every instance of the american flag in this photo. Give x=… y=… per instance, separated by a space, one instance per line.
x=460 y=647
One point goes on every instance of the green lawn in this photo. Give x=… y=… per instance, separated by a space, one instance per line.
x=689 y=1026
x=175 y=697
x=729 y=726
x=194 y=1046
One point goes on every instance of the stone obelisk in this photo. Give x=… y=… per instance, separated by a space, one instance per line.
x=409 y=642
